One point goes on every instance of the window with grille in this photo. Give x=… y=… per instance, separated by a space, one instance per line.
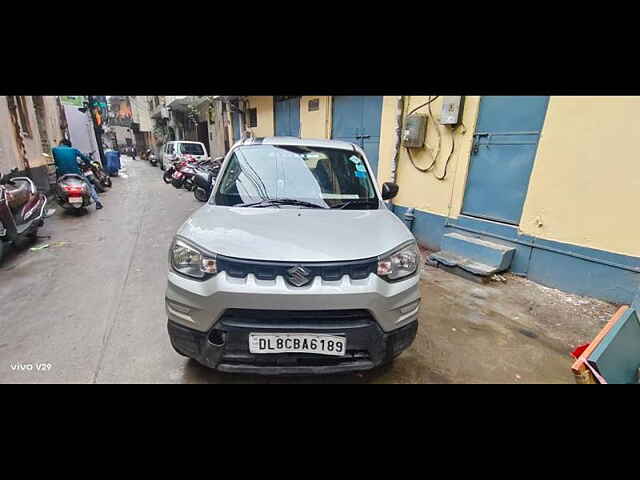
x=253 y=117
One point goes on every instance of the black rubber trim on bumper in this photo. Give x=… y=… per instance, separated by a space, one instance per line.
x=367 y=348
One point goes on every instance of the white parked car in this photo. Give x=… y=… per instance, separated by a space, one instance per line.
x=176 y=150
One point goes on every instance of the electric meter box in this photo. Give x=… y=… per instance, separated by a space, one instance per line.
x=451 y=110
x=415 y=130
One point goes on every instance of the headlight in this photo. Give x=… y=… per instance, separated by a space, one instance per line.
x=399 y=264
x=187 y=260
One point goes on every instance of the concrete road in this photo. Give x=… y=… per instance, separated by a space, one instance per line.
x=90 y=309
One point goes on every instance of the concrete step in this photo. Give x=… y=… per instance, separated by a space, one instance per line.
x=477 y=250
x=473 y=255
x=449 y=259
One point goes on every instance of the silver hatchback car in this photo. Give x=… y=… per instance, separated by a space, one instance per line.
x=294 y=266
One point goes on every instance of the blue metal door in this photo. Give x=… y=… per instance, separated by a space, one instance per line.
x=504 y=147
x=287 y=116
x=356 y=119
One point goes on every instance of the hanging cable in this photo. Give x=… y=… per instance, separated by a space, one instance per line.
x=446 y=165
x=428 y=102
x=424 y=170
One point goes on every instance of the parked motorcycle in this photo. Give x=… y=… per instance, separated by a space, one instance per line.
x=187 y=171
x=101 y=174
x=72 y=192
x=153 y=158
x=96 y=174
x=22 y=210
x=204 y=180
x=175 y=175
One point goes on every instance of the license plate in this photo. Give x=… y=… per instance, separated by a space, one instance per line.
x=74 y=200
x=321 y=344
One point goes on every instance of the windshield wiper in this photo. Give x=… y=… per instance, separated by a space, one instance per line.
x=280 y=201
x=352 y=202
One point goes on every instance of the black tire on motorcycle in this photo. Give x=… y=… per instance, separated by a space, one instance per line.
x=107 y=181
x=167 y=177
x=200 y=194
x=99 y=188
x=3 y=248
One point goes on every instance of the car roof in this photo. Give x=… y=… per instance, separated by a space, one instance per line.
x=185 y=141
x=306 y=142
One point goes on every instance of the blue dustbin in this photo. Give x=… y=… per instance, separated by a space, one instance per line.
x=112 y=160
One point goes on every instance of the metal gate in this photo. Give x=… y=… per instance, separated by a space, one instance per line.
x=504 y=147
x=356 y=119
x=287 y=116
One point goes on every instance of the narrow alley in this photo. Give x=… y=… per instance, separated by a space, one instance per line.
x=91 y=305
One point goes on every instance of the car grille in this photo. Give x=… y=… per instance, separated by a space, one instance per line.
x=303 y=319
x=355 y=269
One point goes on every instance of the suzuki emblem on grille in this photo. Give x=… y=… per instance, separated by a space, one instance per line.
x=298 y=276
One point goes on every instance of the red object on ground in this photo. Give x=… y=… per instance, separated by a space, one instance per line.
x=578 y=351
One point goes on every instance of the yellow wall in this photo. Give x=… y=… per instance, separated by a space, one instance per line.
x=585 y=185
x=264 y=106
x=422 y=190
x=316 y=124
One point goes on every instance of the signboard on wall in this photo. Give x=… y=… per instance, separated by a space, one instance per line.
x=73 y=101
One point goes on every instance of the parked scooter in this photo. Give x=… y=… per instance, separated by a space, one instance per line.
x=175 y=174
x=153 y=158
x=187 y=171
x=167 y=176
x=22 y=210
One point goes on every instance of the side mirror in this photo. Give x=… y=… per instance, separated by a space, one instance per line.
x=389 y=190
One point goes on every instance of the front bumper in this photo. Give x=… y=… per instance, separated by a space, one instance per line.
x=210 y=320
x=225 y=347
x=198 y=305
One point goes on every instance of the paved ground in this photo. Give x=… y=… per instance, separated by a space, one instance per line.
x=93 y=308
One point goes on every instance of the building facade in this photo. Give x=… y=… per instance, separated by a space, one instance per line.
x=553 y=177
x=29 y=127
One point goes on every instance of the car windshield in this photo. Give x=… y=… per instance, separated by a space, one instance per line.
x=191 y=149
x=277 y=176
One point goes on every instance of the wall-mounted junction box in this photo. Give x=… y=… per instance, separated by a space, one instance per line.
x=451 y=110
x=415 y=130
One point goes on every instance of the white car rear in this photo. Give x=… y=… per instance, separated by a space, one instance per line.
x=177 y=150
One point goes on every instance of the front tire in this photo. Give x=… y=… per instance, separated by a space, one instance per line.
x=167 y=177
x=200 y=194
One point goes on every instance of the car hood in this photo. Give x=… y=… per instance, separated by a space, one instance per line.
x=295 y=234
